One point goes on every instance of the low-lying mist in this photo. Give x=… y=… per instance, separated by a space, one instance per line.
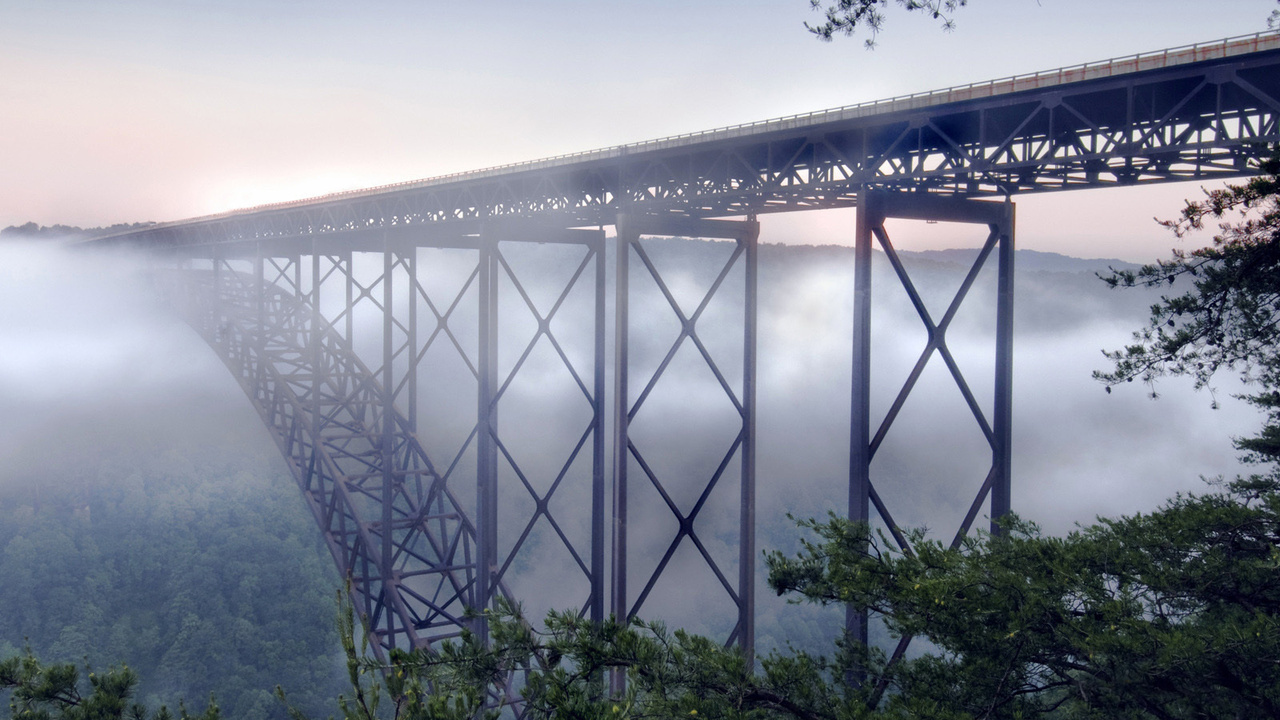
x=94 y=359
x=93 y=356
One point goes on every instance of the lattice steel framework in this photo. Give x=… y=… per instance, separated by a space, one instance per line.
x=743 y=446
x=389 y=521
x=1194 y=113
x=291 y=291
x=495 y=382
x=875 y=207
x=417 y=556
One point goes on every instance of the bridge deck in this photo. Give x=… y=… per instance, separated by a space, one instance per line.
x=1194 y=112
x=1042 y=80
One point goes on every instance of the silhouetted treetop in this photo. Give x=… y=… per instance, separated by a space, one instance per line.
x=845 y=17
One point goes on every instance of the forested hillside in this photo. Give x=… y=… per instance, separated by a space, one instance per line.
x=191 y=565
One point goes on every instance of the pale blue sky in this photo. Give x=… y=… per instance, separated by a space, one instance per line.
x=150 y=110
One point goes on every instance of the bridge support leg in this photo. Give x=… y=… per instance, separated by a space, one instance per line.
x=386 y=552
x=487 y=421
x=598 y=444
x=1001 y=487
x=508 y=482
x=860 y=422
x=874 y=208
x=630 y=228
x=259 y=319
x=622 y=336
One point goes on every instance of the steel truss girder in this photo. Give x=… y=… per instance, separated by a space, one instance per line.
x=368 y=470
x=626 y=405
x=1212 y=118
x=874 y=208
x=392 y=525
x=362 y=470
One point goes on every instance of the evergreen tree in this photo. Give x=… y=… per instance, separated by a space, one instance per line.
x=1172 y=614
x=37 y=691
x=1229 y=319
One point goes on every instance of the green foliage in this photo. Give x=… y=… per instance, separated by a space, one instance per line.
x=845 y=17
x=36 y=691
x=1173 y=614
x=1230 y=316
x=200 y=575
x=561 y=671
x=1168 y=615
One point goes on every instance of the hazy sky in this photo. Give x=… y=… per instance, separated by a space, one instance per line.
x=148 y=110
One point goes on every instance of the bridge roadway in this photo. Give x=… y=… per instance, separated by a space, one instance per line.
x=1197 y=112
x=276 y=289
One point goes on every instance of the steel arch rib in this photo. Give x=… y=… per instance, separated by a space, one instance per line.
x=336 y=458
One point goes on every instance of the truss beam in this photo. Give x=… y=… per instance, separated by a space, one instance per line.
x=417 y=559
x=1118 y=124
x=390 y=522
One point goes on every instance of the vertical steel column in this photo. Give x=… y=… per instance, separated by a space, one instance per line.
x=350 y=283
x=410 y=262
x=596 y=612
x=260 y=311
x=621 y=297
x=215 y=255
x=314 y=340
x=626 y=236
x=317 y=359
x=747 y=507
x=486 y=455
x=1002 y=419
x=387 y=553
x=860 y=419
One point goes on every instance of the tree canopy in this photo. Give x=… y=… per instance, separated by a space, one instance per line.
x=58 y=691
x=180 y=560
x=1229 y=317
x=33 y=231
x=1172 y=614
x=846 y=17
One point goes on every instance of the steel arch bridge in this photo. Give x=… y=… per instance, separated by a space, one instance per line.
x=281 y=292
